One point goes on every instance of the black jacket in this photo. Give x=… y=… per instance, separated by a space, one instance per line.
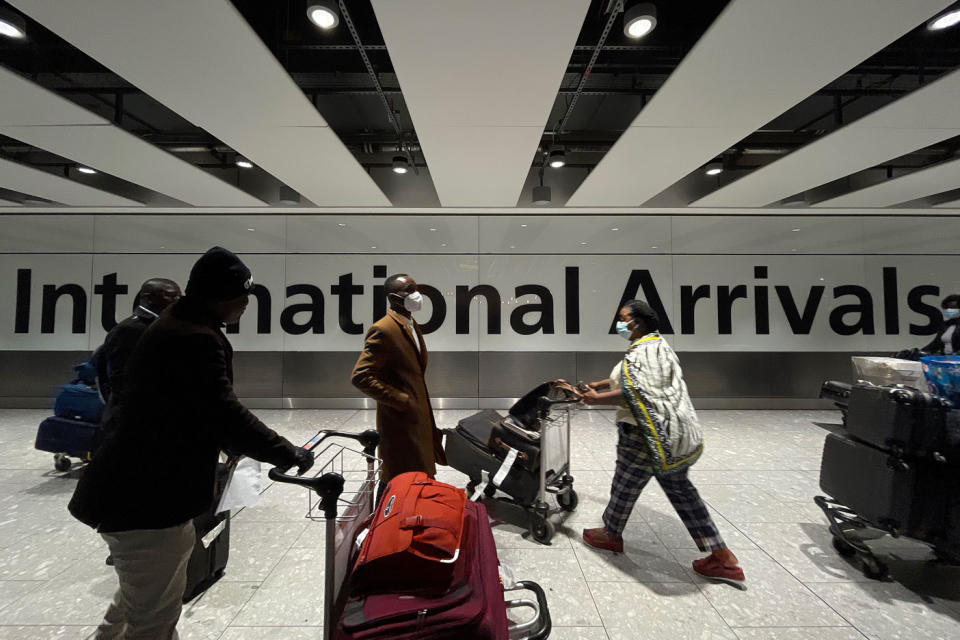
x=178 y=410
x=116 y=350
x=935 y=348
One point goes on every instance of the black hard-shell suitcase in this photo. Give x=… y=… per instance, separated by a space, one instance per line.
x=913 y=422
x=909 y=497
x=212 y=546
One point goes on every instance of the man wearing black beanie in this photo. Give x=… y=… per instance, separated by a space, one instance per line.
x=156 y=470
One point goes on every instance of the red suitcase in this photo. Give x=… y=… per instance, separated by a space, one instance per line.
x=472 y=609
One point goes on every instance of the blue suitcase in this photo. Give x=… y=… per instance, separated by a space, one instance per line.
x=77 y=401
x=67 y=438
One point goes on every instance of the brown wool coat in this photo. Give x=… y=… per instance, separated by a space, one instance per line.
x=391 y=371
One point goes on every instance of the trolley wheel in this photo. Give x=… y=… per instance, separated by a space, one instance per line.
x=542 y=530
x=844 y=548
x=568 y=501
x=874 y=569
x=61 y=462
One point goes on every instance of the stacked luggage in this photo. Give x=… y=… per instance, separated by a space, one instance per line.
x=524 y=454
x=74 y=429
x=421 y=564
x=896 y=468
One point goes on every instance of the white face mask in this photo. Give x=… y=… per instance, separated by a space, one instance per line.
x=413 y=302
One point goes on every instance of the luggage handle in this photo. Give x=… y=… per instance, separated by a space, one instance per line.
x=520 y=454
x=541 y=625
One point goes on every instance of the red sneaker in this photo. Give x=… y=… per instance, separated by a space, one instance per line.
x=714 y=569
x=600 y=538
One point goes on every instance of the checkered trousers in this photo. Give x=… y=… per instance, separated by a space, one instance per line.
x=633 y=472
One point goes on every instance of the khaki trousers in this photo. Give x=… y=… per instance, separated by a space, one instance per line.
x=152 y=567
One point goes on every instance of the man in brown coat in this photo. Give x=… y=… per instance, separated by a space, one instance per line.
x=391 y=371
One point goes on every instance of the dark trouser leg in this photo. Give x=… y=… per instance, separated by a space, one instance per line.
x=692 y=510
x=630 y=477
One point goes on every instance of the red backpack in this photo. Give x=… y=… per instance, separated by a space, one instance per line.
x=414 y=538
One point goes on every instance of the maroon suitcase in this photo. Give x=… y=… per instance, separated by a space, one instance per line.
x=473 y=608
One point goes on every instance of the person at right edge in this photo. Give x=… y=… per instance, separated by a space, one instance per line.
x=156 y=470
x=391 y=370
x=659 y=436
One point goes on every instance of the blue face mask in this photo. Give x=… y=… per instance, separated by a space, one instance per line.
x=624 y=330
x=950 y=314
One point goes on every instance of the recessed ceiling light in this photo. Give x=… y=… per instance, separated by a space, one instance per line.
x=400 y=164
x=373 y=247
x=444 y=244
x=12 y=25
x=794 y=230
x=654 y=247
x=615 y=229
x=433 y=229
x=946 y=20
x=86 y=170
x=523 y=225
x=583 y=243
x=250 y=229
x=639 y=20
x=324 y=13
x=512 y=247
x=243 y=163
x=341 y=224
x=557 y=158
x=714 y=169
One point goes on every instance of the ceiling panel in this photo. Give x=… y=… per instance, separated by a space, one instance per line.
x=9 y=203
x=203 y=61
x=918 y=184
x=32 y=114
x=479 y=80
x=20 y=177
x=921 y=118
x=758 y=59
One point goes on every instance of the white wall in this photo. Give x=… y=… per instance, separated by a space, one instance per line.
x=446 y=251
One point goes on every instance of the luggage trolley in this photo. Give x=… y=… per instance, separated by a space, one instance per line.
x=342 y=493
x=894 y=469
x=545 y=414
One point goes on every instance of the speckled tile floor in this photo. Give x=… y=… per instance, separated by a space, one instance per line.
x=758 y=476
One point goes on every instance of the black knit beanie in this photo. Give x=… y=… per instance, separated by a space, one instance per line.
x=219 y=275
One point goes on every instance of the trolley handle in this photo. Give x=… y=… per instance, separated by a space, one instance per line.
x=370 y=439
x=542 y=625
x=544 y=403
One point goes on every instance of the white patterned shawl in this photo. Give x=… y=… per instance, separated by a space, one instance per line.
x=653 y=387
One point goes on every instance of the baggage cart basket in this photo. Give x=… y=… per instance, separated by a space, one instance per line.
x=342 y=492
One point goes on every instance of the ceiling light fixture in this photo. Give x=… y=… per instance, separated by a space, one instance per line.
x=87 y=170
x=400 y=164
x=639 y=20
x=288 y=195
x=714 y=169
x=243 y=163
x=12 y=25
x=945 y=21
x=324 y=13
x=557 y=158
x=541 y=195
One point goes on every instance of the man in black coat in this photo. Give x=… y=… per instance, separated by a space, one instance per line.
x=155 y=295
x=156 y=470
